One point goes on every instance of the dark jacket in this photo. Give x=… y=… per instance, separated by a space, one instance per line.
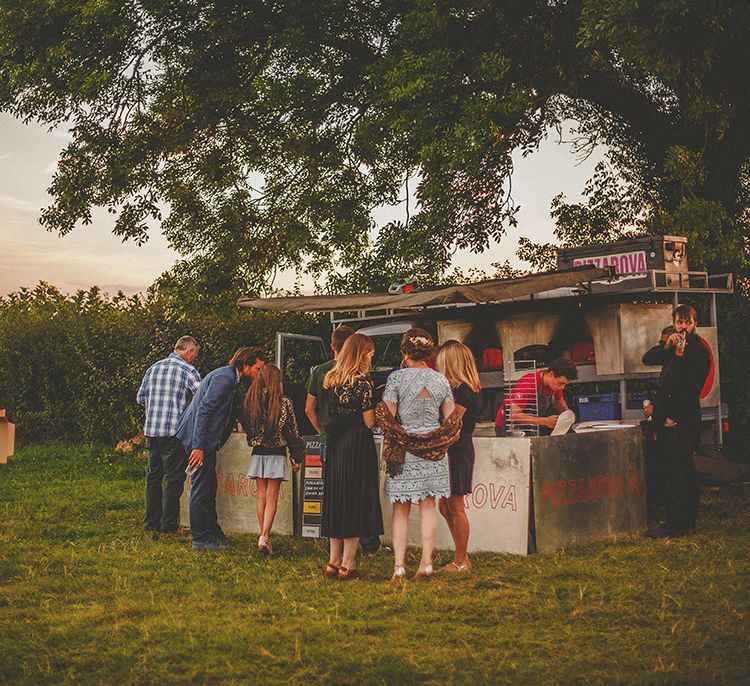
x=207 y=421
x=680 y=385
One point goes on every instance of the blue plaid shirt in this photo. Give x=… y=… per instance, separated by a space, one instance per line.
x=166 y=389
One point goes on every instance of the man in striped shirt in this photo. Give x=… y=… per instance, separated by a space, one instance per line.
x=166 y=390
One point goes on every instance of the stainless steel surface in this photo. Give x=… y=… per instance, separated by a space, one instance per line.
x=640 y=329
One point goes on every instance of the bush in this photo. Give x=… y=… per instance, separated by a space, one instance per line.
x=70 y=366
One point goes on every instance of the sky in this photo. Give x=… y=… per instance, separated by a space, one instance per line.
x=92 y=256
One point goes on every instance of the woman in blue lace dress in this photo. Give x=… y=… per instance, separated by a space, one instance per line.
x=419 y=396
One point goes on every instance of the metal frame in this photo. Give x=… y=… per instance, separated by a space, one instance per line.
x=584 y=288
x=684 y=282
x=281 y=335
x=520 y=369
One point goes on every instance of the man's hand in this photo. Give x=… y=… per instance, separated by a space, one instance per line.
x=196 y=459
x=296 y=466
x=673 y=340
x=549 y=422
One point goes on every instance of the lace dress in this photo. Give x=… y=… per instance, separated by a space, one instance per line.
x=351 y=501
x=419 y=393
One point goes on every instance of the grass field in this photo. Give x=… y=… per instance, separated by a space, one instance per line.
x=86 y=598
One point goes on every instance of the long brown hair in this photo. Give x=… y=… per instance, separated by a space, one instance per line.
x=262 y=404
x=352 y=362
x=456 y=362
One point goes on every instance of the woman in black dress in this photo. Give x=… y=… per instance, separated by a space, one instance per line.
x=351 y=503
x=456 y=362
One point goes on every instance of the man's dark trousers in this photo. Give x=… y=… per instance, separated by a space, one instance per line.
x=203 y=524
x=167 y=461
x=681 y=491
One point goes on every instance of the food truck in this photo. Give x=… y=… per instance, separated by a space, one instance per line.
x=603 y=307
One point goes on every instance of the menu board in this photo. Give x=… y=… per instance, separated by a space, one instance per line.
x=311 y=490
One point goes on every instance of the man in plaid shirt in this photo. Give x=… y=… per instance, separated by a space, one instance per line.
x=166 y=390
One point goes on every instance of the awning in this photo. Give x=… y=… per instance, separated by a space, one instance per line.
x=493 y=290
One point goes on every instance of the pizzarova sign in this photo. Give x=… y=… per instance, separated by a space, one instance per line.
x=628 y=264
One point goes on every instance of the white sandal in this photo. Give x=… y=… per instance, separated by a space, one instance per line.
x=399 y=573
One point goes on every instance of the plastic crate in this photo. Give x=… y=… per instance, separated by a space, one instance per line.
x=599 y=406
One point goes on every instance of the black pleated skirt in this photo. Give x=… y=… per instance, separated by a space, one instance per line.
x=351 y=499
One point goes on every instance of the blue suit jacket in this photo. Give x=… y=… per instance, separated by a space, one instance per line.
x=203 y=425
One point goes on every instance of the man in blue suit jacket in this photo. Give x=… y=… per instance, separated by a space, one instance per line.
x=204 y=427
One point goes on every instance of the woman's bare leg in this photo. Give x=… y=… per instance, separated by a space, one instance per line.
x=350 y=553
x=447 y=515
x=459 y=528
x=336 y=551
x=400 y=531
x=260 y=501
x=272 y=501
x=428 y=526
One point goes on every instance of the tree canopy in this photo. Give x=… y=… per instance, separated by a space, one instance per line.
x=270 y=129
x=266 y=131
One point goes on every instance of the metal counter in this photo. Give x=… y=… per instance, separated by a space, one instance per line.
x=538 y=493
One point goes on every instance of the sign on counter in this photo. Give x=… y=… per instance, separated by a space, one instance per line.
x=587 y=486
x=497 y=507
x=311 y=490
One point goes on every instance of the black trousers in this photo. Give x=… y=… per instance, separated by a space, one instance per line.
x=681 y=491
x=203 y=522
x=166 y=462
x=654 y=468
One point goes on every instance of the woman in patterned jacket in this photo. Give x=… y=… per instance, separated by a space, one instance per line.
x=271 y=428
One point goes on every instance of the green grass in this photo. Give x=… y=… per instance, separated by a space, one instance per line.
x=85 y=597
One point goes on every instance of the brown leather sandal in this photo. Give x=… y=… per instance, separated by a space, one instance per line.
x=349 y=574
x=331 y=571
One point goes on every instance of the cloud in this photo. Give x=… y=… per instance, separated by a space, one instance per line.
x=19 y=205
x=60 y=132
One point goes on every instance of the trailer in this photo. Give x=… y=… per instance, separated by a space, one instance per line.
x=603 y=307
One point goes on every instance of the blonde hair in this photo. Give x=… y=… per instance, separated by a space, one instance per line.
x=352 y=362
x=456 y=362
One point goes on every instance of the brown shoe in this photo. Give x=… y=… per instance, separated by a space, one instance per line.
x=331 y=571
x=349 y=574
x=179 y=531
